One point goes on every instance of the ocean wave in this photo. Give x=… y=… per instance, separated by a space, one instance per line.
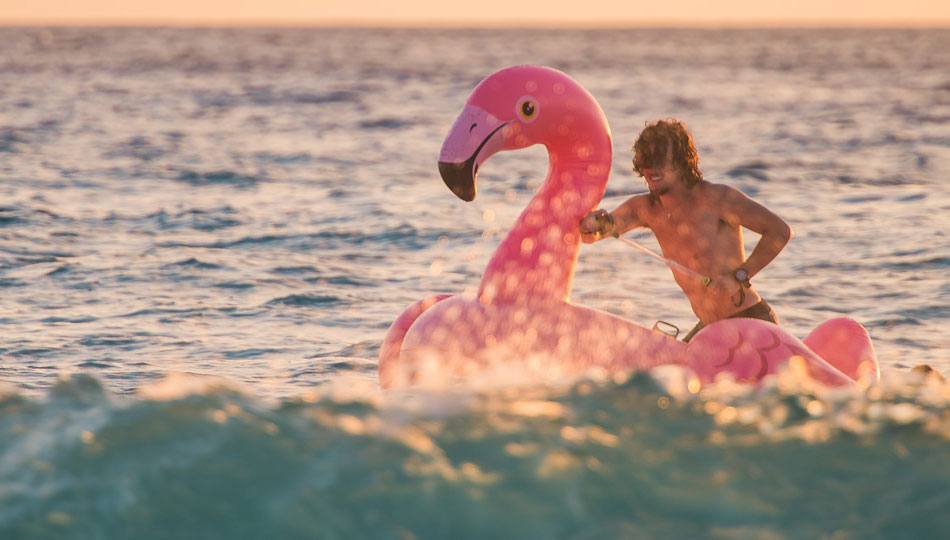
x=165 y=311
x=305 y=270
x=11 y=139
x=285 y=159
x=19 y=215
x=138 y=147
x=192 y=262
x=61 y=270
x=402 y=236
x=206 y=220
x=107 y=341
x=307 y=300
x=234 y=285
x=756 y=172
x=311 y=274
x=918 y=265
x=270 y=97
x=197 y=178
x=384 y=123
x=70 y=320
x=250 y=353
x=25 y=257
x=362 y=349
x=619 y=457
x=332 y=97
x=30 y=352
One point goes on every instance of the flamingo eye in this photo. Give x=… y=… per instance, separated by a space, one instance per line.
x=527 y=109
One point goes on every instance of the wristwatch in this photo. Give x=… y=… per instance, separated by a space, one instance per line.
x=742 y=276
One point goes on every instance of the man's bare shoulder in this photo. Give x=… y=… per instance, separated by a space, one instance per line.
x=644 y=205
x=735 y=207
x=637 y=211
x=642 y=200
x=727 y=198
x=715 y=191
x=724 y=200
x=638 y=203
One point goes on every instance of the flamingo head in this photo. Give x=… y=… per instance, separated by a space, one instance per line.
x=518 y=107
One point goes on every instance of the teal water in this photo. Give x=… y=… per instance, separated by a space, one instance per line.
x=628 y=458
x=204 y=235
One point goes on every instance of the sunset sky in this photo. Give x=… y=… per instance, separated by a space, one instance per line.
x=482 y=12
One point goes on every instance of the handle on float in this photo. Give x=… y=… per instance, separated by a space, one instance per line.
x=607 y=218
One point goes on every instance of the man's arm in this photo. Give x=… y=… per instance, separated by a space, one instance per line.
x=625 y=217
x=775 y=233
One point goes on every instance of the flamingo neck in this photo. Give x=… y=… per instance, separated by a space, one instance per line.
x=536 y=259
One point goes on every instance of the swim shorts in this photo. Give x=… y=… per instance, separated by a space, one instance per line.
x=761 y=311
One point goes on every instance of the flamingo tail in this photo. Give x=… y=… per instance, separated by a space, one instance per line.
x=846 y=345
x=392 y=343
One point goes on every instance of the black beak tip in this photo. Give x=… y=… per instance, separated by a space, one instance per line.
x=460 y=178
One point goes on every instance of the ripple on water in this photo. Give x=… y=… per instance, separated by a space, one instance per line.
x=384 y=123
x=164 y=311
x=108 y=341
x=928 y=312
x=19 y=215
x=295 y=270
x=138 y=147
x=404 y=237
x=70 y=320
x=250 y=353
x=225 y=177
x=192 y=262
x=362 y=349
x=925 y=264
x=307 y=300
x=35 y=352
x=197 y=219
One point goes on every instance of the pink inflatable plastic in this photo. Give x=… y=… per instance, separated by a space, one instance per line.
x=522 y=313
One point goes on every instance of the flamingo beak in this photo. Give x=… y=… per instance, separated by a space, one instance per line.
x=460 y=177
x=474 y=137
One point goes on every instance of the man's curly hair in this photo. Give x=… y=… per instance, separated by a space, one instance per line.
x=650 y=149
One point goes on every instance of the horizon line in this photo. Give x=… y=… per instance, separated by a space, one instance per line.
x=803 y=23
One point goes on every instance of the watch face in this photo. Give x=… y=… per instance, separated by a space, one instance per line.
x=741 y=275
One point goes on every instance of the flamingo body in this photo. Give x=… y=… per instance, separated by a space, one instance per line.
x=521 y=313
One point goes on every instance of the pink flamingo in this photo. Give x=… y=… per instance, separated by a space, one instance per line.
x=522 y=313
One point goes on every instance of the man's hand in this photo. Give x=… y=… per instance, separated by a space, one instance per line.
x=725 y=286
x=596 y=225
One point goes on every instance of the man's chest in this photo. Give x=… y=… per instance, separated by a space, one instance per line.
x=695 y=238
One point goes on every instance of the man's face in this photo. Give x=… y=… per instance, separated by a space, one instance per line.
x=661 y=177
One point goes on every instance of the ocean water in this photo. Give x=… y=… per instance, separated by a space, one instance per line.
x=204 y=235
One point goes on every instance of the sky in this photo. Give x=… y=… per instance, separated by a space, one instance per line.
x=483 y=12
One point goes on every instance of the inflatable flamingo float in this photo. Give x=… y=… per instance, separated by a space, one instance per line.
x=522 y=315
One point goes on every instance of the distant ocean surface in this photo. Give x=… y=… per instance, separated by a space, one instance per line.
x=205 y=233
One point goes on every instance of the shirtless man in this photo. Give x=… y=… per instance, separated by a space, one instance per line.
x=697 y=224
